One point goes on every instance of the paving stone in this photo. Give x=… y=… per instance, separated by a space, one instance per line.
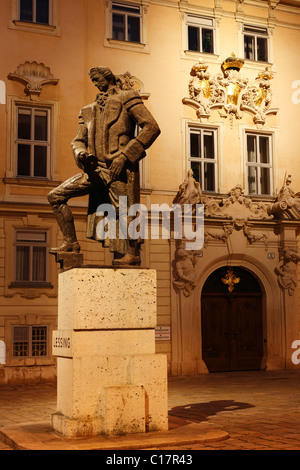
x=259 y=410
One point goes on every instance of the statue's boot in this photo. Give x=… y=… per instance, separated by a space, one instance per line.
x=127 y=259
x=66 y=223
x=132 y=257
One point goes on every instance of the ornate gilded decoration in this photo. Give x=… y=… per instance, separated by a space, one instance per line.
x=257 y=99
x=229 y=92
x=35 y=76
x=230 y=279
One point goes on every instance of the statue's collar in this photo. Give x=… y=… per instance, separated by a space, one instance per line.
x=103 y=95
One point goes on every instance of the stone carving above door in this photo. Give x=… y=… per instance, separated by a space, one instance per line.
x=230 y=93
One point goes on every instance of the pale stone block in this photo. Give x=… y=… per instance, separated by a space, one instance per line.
x=124 y=409
x=151 y=372
x=98 y=298
x=68 y=343
x=76 y=427
x=80 y=380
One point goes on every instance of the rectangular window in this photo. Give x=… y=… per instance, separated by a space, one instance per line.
x=31 y=249
x=203 y=157
x=33 y=142
x=259 y=164
x=256 y=43
x=126 y=22
x=34 y=11
x=30 y=341
x=200 y=34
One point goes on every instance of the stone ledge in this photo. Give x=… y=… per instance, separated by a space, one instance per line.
x=40 y=436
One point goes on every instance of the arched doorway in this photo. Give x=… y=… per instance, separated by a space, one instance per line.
x=232 y=327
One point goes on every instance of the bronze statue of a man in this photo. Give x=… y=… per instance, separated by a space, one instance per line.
x=108 y=151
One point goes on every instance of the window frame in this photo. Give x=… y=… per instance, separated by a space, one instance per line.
x=109 y=41
x=126 y=15
x=31 y=243
x=30 y=342
x=198 y=21
x=261 y=32
x=32 y=141
x=258 y=164
x=202 y=160
x=53 y=167
x=34 y=10
x=53 y=28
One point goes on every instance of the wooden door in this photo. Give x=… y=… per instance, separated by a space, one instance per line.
x=232 y=332
x=232 y=337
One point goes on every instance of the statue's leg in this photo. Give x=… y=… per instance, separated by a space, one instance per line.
x=78 y=185
x=132 y=254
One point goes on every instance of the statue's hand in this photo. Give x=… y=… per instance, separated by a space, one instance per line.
x=81 y=160
x=117 y=166
x=87 y=161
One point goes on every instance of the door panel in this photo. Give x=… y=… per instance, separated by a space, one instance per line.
x=247 y=350
x=215 y=333
x=232 y=332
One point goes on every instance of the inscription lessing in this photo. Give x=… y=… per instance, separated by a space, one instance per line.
x=62 y=343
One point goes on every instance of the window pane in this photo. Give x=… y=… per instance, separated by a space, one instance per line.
x=262 y=49
x=40 y=125
x=252 y=180
x=118 y=31
x=251 y=148
x=24 y=124
x=133 y=28
x=42 y=11
x=249 y=45
x=23 y=160
x=39 y=341
x=40 y=160
x=209 y=177
x=207 y=40
x=265 y=180
x=209 y=146
x=39 y=264
x=264 y=149
x=195 y=166
x=193 y=37
x=21 y=341
x=26 y=10
x=22 y=263
x=195 y=149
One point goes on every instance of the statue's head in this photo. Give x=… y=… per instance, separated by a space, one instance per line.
x=102 y=77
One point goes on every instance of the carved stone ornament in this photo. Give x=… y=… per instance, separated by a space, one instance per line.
x=229 y=92
x=34 y=76
x=287 y=269
x=127 y=81
x=287 y=203
x=184 y=270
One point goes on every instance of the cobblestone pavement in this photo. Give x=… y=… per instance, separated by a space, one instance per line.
x=259 y=410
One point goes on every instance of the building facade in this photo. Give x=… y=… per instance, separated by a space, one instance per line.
x=222 y=79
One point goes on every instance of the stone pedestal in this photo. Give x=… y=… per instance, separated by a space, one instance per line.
x=110 y=381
